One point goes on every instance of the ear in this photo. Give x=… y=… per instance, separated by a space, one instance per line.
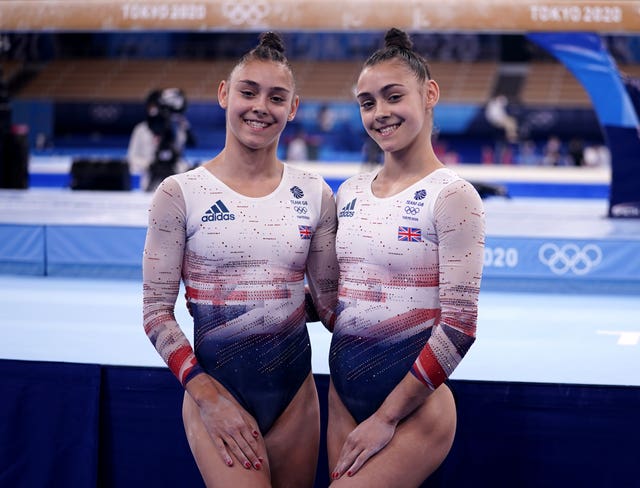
x=295 y=103
x=432 y=93
x=223 y=94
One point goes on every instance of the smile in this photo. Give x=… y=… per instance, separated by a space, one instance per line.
x=389 y=129
x=255 y=124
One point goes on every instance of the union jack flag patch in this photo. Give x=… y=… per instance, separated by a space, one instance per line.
x=306 y=231
x=409 y=234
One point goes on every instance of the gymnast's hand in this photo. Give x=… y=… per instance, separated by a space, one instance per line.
x=232 y=430
x=362 y=443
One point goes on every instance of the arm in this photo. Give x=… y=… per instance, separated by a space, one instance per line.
x=322 y=265
x=228 y=426
x=460 y=227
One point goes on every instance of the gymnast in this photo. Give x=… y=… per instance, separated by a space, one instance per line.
x=410 y=249
x=242 y=232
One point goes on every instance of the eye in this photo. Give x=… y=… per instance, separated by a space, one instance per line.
x=366 y=104
x=247 y=93
x=396 y=97
x=277 y=99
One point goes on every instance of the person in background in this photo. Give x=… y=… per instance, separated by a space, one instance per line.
x=298 y=147
x=497 y=114
x=552 y=153
x=410 y=246
x=242 y=232
x=156 y=144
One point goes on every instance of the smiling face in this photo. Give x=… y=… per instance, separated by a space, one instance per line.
x=395 y=106
x=259 y=100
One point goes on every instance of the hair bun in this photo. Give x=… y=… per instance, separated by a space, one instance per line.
x=397 y=38
x=273 y=41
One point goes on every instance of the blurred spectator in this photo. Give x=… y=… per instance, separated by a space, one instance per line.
x=552 y=152
x=497 y=115
x=298 y=147
x=156 y=145
x=597 y=156
x=576 y=152
x=528 y=154
x=326 y=118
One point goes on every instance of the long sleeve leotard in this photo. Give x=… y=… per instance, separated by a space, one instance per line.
x=243 y=262
x=410 y=271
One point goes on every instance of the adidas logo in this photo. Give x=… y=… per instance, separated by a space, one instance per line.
x=348 y=209
x=218 y=211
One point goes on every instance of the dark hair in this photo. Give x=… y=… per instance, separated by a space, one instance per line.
x=398 y=45
x=270 y=48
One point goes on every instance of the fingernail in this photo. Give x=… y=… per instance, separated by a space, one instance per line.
x=229 y=462
x=349 y=473
x=334 y=475
x=255 y=433
x=257 y=465
x=247 y=464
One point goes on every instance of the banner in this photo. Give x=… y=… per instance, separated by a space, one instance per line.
x=413 y=15
x=586 y=56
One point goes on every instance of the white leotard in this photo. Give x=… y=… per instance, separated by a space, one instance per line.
x=243 y=261
x=410 y=270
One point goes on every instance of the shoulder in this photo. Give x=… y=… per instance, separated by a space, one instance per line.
x=447 y=180
x=304 y=179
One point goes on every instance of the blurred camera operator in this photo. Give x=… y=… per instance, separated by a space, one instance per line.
x=157 y=143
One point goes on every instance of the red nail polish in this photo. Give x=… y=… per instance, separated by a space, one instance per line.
x=247 y=464
x=257 y=465
x=349 y=473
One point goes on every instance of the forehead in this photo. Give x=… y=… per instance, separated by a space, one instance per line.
x=385 y=73
x=265 y=73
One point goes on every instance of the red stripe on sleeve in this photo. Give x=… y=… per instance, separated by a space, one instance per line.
x=430 y=365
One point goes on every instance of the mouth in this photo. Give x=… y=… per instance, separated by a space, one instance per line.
x=256 y=124
x=387 y=130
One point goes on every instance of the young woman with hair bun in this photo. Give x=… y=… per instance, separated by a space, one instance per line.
x=242 y=232
x=410 y=248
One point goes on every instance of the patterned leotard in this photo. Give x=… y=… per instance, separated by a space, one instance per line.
x=410 y=270
x=243 y=262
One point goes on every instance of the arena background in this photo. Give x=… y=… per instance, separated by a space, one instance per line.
x=76 y=413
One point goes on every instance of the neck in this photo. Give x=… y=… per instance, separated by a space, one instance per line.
x=402 y=169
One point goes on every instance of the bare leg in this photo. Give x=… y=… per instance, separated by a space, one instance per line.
x=420 y=444
x=294 y=440
x=292 y=446
x=214 y=472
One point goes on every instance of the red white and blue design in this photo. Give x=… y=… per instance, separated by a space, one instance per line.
x=245 y=283
x=409 y=234
x=404 y=307
x=306 y=231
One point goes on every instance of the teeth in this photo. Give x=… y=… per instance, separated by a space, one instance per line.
x=256 y=125
x=388 y=130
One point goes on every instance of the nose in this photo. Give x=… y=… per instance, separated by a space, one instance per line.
x=259 y=106
x=381 y=111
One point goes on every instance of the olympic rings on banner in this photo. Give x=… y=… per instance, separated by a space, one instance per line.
x=411 y=210
x=245 y=12
x=570 y=257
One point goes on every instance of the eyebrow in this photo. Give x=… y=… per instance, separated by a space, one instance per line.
x=384 y=89
x=257 y=85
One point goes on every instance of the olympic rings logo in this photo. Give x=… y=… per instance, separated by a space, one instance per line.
x=300 y=210
x=570 y=257
x=247 y=12
x=411 y=210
